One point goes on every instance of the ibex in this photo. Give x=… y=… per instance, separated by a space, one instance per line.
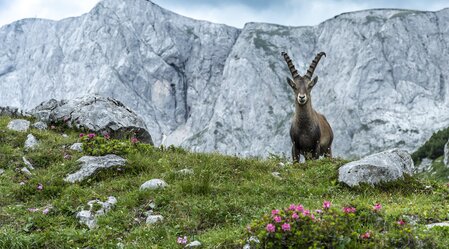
x=310 y=132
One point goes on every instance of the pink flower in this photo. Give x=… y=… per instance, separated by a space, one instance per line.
x=326 y=204
x=81 y=135
x=91 y=135
x=270 y=228
x=107 y=137
x=134 y=140
x=299 y=208
x=366 y=235
x=295 y=216
x=182 y=240
x=277 y=219
x=292 y=207
x=40 y=186
x=306 y=212
x=377 y=207
x=46 y=210
x=285 y=227
x=348 y=210
x=312 y=216
x=33 y=209
x=401 y=222
x=319 y=211
x=274 y=212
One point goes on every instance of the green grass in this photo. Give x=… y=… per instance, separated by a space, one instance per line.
x=214 y=205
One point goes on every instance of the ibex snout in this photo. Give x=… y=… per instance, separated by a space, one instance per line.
x=302 y=99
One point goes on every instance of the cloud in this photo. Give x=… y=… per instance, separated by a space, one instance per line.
x=11 y=11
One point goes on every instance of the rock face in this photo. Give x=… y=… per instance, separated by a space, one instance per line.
x=207 y=86
x=19 y=125
x=446 y=154
x=95 y=113
x=381 y=167
x=91 y=164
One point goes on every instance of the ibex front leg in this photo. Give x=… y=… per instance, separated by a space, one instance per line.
x=295 y=153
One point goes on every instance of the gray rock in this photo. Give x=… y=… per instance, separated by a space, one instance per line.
x=446 y=154
x=153 y=219
x=92 y=164
x=381 y=167
x=12 y=111
x=153 y=184
x=207 y=86
x=97 y=114
x=276 y=175
x=2 y=171
x=31 y=142
x=19 y=125
x=424 y=166
x=89 y=217
x=25 y=171
x=40 y=125
x=27 y=163
x=77 y=147
x=440 y=224
x=195 y=243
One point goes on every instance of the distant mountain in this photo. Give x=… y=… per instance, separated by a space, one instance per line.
x=211 y=87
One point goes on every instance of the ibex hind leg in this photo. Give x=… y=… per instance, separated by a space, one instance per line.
x=295 y=154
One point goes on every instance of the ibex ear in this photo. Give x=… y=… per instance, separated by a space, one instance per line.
x=313 y=82
x=291 y=83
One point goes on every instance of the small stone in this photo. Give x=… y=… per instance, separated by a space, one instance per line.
x=153 y=184
x=281 y=165
x=27 y=163
x=77 y=147
x=277 y=175
x=153 y=219
x=40 y=125
x=91 y=164
x=65 y=135
x=19 y=125
x=31 y=142
x=195 y=243
x=88 y=218
x=441 y=224
x=185 y=171
x=25 y=171
x=2 y=171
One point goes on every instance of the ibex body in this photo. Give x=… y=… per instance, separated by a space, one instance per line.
x=310 y=132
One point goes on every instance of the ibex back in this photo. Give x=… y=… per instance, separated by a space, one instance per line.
x=310 y=132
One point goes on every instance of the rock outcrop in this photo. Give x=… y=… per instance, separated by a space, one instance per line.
x=207 y=86
x=92 y=164
x=95 y=113
x=381 y=167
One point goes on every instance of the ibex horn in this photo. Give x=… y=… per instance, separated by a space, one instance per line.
x=290 y=65
x=313 y=65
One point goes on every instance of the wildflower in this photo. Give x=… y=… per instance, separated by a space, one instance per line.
x=46 y=210
x=326 y=204
x=81 y=135
x=377 y=207
x=134 y=140
x=22 y=183
x=348 y=210
x=270 y=228
x=312 y=216
x=295 y=216
x=277 y=218
x=107 y=137
x=274 y=212
x=182 y=240
x=285 y=227
x=306 y=212
x=33 y=209
x=292 y=207
x=319 y=211
x=91 y=135
x=366 y=235
x=299 y=208
x=40 y=186
x=401 y=222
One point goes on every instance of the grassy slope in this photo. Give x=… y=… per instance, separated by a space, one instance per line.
x=214 y=205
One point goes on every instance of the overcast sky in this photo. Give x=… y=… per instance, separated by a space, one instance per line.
x=232 y=12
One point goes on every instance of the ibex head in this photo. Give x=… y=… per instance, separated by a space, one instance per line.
x=302 y=85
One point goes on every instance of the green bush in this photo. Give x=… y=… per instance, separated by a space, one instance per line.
x=433 y=148
x=96 y=145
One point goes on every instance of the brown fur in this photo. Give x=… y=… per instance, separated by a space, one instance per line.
x=310 y=132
